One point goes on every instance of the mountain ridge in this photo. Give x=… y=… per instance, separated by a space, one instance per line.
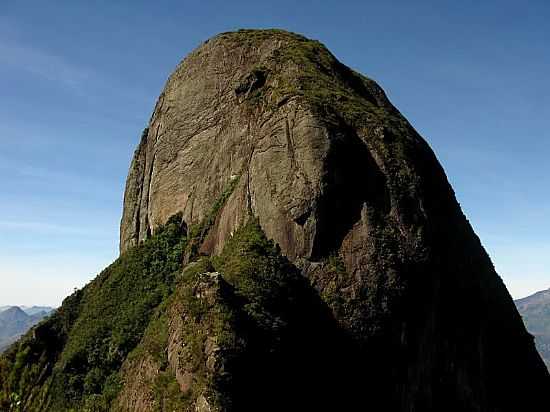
x=284 y=229
x=535 y=311
x=14 y=322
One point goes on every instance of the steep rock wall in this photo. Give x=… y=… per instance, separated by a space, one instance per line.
x=332 y=170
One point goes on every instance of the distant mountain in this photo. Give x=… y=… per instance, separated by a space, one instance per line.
x=535 y=311
x=14 y=321
x=33 y=310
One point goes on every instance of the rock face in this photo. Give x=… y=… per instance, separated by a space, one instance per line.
x=330 y=168
x=238 y=106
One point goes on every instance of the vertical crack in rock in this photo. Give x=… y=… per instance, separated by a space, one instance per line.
x=147 y=222
x=290 y=146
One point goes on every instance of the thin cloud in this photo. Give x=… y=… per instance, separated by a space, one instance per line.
x=47 y=177
x=43 y=64
x=49 y=228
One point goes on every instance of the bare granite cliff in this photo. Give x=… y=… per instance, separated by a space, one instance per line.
x=288 y=243
x=248 y=105
x=330 y=168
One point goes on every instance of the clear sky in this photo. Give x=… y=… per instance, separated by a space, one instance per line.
x=78 y=81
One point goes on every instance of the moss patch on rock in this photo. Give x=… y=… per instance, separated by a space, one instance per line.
x=198 y=232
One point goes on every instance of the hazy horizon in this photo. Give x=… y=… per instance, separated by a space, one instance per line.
x=80 y=81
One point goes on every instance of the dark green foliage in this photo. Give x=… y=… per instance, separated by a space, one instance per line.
x=210 y=318
x=117 y=307
x=155 y=337
x=271 y=328
x=167 y=393
x=119 y=302
x=254 y=266
x=280 y=331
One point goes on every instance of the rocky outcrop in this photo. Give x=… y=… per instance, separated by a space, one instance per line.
x=289 y=242
x=236 y=337
x=191 y=353
x=332 y=170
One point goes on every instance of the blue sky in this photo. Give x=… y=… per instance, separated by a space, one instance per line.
x=78 y=83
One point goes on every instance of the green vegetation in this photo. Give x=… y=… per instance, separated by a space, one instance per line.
x=254 y=266
x=256 y=311
x=116 y=309
x=274 y=323
x=167 y=393
x=155 y=338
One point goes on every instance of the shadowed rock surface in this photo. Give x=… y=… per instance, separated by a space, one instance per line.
x=372 y=292
x=330 y=167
